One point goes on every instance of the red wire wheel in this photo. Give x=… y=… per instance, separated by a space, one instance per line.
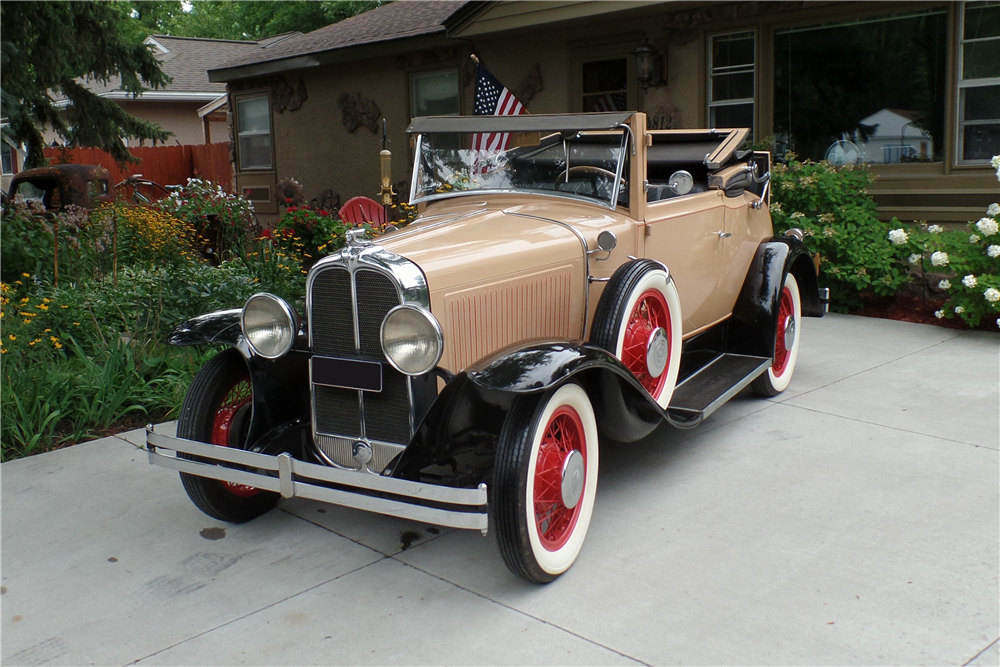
x=650 y=311
x=786 y=310
x=234 y=398
x=563 y=435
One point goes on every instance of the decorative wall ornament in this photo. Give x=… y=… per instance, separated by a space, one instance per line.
x=328 y=201
x=358 y=112
x=290 y=192
x=530 y=85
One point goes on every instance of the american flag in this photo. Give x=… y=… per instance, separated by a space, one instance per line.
x=610 y=102
x=493 y=99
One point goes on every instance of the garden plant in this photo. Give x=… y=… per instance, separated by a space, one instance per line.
x=88 y=353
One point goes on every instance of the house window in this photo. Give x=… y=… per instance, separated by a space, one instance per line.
x=871 y=90
x=253 y=118
x=434 y=94
x=7 y=157
x=605 y=85
x=732 y=80
x=979 y=83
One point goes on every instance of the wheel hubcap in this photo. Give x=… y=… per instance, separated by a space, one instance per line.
x=560 y=475
x=235 y=402
x=646 y=344
x=572 y=479
x=785 y=337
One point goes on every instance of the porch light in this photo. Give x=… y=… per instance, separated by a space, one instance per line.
x=649 y=65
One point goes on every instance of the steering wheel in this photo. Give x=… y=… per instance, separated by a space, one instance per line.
x=587 y=169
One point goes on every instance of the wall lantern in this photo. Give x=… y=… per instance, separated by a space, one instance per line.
x=650 y=65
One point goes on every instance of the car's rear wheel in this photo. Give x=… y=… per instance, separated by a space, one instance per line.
x=786 y=342
x=545 y=481
x=216 y=411
x=638 y=319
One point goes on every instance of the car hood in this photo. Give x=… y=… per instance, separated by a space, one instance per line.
x=483 y=244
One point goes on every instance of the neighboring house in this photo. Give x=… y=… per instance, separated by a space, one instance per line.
x=804 y=73
x=176 y=107
x=897 y=137
x=11 y=160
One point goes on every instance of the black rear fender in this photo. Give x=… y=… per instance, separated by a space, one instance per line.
x=754 y=323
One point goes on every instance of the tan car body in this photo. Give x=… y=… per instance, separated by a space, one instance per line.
x=508 y=268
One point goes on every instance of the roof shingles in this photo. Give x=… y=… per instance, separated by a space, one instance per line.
x=407 y=18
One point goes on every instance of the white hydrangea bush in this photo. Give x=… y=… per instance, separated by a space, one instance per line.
x=962 y=266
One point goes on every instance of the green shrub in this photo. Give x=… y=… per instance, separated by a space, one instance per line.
x=839 y=220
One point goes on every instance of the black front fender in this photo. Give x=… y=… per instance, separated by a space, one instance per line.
x=280 y=387
x=220 y=327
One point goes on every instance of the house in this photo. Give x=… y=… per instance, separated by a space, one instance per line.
x=897 y=135
x=176 y=107
x=801 y=75
x=11 y=159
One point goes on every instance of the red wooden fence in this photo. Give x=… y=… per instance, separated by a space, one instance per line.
x=166 y=165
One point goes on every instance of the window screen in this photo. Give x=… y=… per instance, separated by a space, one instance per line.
x=434 y=94
x=979 y=83
x=732 y=81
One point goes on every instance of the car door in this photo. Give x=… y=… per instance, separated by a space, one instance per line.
x=687 y=234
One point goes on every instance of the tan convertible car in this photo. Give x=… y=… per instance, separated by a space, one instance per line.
x=581 y=275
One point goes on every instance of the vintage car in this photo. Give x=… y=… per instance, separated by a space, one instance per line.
x=61 y=185
x=571 y=275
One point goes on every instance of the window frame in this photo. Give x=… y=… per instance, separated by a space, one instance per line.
x=961 y=85
x=13 y=159
x=240 y=133
x=628 y=80
x=710 y=104
x=424 y=72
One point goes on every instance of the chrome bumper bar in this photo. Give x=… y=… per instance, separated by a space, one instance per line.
x=824 y=298
x=440 y=505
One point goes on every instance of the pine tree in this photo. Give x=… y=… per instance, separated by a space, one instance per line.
x=45 y=47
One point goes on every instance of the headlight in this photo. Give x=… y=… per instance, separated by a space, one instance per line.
x=269 y=325
x=412 y=340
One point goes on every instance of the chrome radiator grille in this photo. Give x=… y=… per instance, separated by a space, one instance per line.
x=342 y=416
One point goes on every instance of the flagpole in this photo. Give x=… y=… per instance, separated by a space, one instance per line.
x=474 y=58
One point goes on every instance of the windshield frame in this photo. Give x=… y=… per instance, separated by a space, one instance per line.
x=627 y=143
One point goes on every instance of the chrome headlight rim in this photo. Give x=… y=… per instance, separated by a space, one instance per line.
x=436 y=329
x=287 y=311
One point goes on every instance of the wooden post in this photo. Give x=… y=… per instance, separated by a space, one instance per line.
x=55 y=243
x=114 y=218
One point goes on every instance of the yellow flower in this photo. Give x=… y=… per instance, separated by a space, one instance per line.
x=46 y=300
x=3 y=350
x=12 y=336
x=32 y=343
x=42 y=306
x=26 y=275
x=27 y=321
x=58 y=345
x=64 y=306
x=53 y=338
x=76 y=324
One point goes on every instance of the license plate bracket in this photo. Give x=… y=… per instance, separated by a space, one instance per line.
x=346 y=373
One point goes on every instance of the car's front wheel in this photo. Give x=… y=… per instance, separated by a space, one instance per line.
x=545 y=481
x=216 y=411
x=638 y=319
x=786 y=342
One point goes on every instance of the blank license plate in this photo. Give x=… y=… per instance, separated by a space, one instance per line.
x=347 y=373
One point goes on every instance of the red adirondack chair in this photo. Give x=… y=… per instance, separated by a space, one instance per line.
x=362 y=209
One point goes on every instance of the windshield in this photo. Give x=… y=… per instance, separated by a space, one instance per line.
x=588 y=165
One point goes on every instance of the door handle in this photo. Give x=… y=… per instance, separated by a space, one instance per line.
x=725 y=235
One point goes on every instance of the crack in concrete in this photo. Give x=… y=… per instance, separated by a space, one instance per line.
x=523 y=613
x=256 y=611
x=988 y=647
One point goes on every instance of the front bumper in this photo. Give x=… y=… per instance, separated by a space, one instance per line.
x=417 y=501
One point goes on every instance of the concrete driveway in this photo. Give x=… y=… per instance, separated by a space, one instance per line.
x=853 y=520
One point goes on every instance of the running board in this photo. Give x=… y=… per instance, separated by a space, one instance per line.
x=708 y=390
